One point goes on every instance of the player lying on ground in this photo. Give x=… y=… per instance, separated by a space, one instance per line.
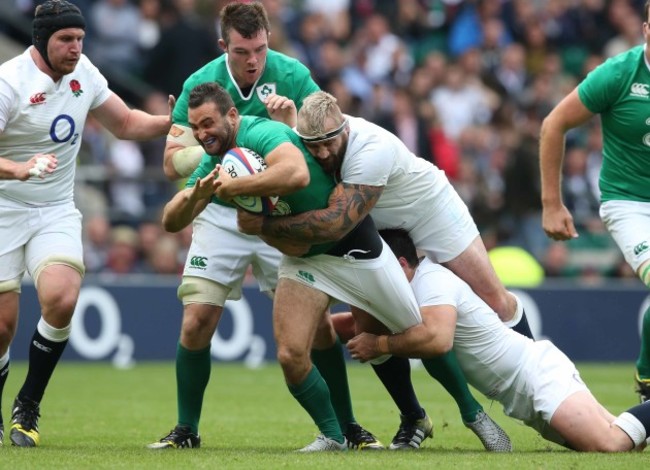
x=534 y=381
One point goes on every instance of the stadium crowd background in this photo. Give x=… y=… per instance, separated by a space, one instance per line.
x=465 y=84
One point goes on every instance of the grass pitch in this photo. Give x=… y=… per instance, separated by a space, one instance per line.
x=99 y=417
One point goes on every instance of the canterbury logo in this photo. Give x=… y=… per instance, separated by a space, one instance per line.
x=640 y=248
x=199 y=262
x=639 y=89
x=304 y=275
x=37 y=98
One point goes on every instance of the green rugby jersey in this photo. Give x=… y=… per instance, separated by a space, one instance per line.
x=619 y=90
x=263 y=136
x=282 y=75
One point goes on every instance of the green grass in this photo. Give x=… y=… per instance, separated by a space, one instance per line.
x=95 y=416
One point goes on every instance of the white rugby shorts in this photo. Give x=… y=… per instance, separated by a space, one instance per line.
x=448 y=230
x=220 y=253
x=629 y=224
x=29 y=235
x=377 y=286
x=546 y=379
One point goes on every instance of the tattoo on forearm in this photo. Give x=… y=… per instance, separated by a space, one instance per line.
x=348 y=204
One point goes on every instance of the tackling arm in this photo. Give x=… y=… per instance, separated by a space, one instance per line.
x=433 y=337
x=348 y=205
x=132 y=124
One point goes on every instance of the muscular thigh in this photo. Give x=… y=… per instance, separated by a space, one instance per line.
x=298 y=310
x=584 y=424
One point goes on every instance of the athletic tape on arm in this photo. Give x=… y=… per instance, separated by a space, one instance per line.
x=186 y=160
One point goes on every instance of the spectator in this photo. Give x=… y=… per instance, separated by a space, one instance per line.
x=184 y=42
x=122 y=257
x=116 y=42
x=461 y=103
x=97 y=231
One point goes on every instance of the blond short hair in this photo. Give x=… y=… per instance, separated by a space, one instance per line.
x=315 y=111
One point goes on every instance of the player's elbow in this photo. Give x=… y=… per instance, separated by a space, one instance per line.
x=435 y=346
x=427 y=342
x=170 y=225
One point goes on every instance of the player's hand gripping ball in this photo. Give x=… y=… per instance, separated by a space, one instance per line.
x=240 y=161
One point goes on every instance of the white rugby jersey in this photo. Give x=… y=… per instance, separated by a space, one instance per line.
x=38 y=115
x=490 y=354
x=376 y=157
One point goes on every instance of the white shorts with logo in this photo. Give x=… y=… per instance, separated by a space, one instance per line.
x=29 y=235
x=546 y=378
x=220 y=253
x=629 y=224
x=377 y=286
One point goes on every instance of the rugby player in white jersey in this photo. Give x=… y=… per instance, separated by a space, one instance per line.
x=533 y=380
x=46 y=94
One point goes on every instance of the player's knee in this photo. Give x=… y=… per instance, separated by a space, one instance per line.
x=7 y=332
x=59 y=259
x=198 y=290
x=200 y=320
x=291 y=358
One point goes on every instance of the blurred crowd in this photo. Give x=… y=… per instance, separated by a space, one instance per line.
x=464 y=83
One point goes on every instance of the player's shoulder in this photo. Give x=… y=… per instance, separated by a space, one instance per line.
x=257 y=125
x=85 y=66
x=364 y=133
x=277 y=62
x=625 y=62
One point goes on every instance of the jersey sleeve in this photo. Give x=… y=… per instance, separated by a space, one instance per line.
x=100 y=86
x=600 y=88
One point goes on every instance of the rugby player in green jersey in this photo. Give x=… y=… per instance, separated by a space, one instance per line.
x=619 y=91
x=301 y=184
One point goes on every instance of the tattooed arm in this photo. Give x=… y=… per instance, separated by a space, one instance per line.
x=348 y=205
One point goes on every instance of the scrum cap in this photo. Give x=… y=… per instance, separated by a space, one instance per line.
x=50 y=17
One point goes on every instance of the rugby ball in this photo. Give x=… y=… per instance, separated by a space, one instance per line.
x=240 y=161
